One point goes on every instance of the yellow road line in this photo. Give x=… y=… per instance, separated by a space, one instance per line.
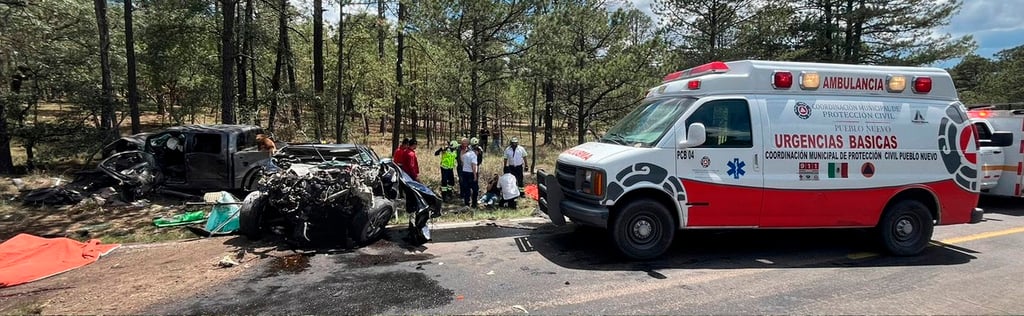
x=985 y=235
x=950 y=241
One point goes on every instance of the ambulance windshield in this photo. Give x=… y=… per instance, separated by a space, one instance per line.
x=648 y=123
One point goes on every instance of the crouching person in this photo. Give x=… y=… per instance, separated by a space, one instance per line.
x=509 y=188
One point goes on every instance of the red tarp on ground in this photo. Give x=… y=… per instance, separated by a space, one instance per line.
x=26 y=258
x=531 y=191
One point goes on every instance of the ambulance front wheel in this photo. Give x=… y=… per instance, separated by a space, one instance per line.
x=643 y=230
x=906 y=228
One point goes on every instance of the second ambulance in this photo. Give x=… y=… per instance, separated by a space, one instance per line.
x=760 y=144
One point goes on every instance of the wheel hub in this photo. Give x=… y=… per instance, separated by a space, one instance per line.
x=642 y=229
x=904 y=227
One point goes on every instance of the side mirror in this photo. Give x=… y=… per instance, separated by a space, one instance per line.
x=998 y=139
x=696 y=134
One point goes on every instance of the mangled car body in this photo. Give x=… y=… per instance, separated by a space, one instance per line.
x=193 y=157
x=334 y=194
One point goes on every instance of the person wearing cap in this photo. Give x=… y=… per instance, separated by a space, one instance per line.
x=515 y=159
x=449 y=157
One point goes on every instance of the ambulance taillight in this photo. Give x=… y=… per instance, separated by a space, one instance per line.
x=782 y=80
x=922 y=84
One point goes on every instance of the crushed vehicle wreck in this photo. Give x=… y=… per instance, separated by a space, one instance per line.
x=334 y=194
x=193 y=157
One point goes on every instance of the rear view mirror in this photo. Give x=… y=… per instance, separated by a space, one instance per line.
x=695 y=136
x=998 y=139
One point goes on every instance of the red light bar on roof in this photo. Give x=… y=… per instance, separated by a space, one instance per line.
x=712 y=67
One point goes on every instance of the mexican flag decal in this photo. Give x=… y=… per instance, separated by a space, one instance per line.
x=838 y=170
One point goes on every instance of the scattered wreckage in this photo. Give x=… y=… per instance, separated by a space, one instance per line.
x=313 y=194
x=330 y=194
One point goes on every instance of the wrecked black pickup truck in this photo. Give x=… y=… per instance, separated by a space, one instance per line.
x=193 y=157
x=334 y=194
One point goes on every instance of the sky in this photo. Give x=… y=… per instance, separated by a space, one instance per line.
x=995 y=24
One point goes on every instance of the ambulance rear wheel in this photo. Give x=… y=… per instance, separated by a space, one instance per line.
x=906 y=228
x=643 y=230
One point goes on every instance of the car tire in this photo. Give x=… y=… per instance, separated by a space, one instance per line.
x=368 y=226
x=250 y=215
x=643 y=230
x=906 y=228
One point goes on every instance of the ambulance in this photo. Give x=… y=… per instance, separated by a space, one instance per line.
x=1001 y=155
x=776 y=145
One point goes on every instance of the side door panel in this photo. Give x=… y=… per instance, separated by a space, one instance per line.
x=206 y=158
x=723 y=177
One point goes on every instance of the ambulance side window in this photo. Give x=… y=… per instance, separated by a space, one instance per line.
x=727 y=123
x=983 y=132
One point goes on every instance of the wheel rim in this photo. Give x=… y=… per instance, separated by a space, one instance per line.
x=905 y=228
x=643 y=230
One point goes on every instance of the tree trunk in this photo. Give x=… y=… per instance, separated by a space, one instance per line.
x=397 y=130
x=318 y=67
x=133 y=90
x=254 y=105
x=227 y=63
x=380 y=29
x=107 y=113
x=275 y=82
x=339 y=106
x=6 y=161
x=240 y=70
x=549 y=104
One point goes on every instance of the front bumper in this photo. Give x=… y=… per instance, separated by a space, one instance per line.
x=551 y=200
x=977 y=215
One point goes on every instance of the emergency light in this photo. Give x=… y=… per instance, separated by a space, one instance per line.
x=782 y=79
x=709 y=68
x=809 y=80
x=922 y=85
x=897 y=83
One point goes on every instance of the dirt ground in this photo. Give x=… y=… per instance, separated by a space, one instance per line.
x=109 y=222
x=132 y=278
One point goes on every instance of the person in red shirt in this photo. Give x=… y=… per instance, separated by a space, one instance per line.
x=412 y=164
x=399 y=157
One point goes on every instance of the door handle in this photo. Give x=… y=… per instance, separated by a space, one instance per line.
x=757 y=165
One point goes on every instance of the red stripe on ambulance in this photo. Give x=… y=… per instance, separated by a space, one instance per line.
x=725 y=205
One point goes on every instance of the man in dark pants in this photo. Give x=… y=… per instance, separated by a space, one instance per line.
x=469 y=173
x=515 y=159
x=449 y=157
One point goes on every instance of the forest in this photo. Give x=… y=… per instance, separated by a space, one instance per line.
x=81 y=73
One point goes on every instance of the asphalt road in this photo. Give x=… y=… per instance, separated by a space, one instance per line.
x=969 y=269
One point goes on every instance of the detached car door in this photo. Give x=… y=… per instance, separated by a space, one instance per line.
x=207 y=162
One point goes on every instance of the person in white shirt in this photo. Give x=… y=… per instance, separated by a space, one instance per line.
x=509 y=189
x=469 y=185
x=515 y=158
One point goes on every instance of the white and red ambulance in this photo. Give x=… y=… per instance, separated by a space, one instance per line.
x=760 y=144
x=1001 y=155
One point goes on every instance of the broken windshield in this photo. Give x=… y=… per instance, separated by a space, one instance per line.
x=648 y=123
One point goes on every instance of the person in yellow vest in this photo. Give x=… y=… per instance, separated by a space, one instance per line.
x=449 y=157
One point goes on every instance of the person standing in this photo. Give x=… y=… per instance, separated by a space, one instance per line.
x=449 y=157
x=398 y=157
x=412 y=164
x=515 y=159
x=469 y=184
x=484 y=133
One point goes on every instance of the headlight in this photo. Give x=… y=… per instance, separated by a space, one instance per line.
x=591 y=182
